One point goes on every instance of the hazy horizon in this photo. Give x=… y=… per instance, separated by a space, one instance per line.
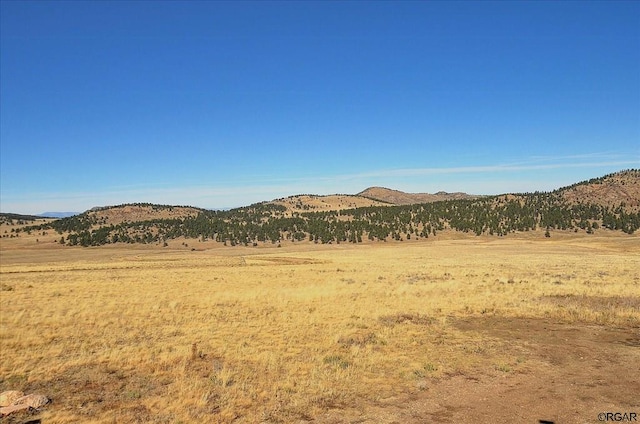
x=224 y=104
x=69 y=211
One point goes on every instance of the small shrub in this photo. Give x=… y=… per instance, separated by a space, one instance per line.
x=358 y=340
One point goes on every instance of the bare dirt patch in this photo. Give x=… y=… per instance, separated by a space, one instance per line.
x=570 y=373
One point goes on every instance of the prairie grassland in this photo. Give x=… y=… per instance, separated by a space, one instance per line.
x=119 y=334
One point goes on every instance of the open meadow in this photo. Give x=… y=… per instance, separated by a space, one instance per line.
x=449 y=329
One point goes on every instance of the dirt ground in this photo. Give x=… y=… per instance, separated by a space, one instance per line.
x=575 y=372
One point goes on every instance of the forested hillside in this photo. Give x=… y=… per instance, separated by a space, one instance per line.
x=500 y=215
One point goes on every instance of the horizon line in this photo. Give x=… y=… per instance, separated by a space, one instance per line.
x=193 y=192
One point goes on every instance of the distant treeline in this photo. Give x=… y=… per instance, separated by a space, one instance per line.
x=271 y=223
x=18 y=219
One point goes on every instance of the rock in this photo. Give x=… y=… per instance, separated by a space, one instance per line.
x=13 y=408
x=9 y=397
x=14 y=401
x=32 y=400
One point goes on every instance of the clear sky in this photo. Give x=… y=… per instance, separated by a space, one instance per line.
x=222 y=104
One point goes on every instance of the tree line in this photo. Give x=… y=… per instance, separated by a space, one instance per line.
x=271 y=223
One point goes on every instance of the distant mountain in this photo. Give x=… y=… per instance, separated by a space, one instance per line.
x=18 y=217
x=396 y=197
x=58 y=214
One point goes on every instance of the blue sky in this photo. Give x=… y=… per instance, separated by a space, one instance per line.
x=222 y=104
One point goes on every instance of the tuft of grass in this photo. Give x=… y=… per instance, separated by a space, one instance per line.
x=401 y=318
x=503 y=368
x=358 y=339
x=337 y=361
x=429 y=367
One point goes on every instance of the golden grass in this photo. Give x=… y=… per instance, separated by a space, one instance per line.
x=334 y=202
x=122 y=334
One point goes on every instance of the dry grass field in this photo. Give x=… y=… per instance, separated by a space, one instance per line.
x=473 y=329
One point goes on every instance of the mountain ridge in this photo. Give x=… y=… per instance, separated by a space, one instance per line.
x=611 y=202
x=398 y=197
x=58 y=214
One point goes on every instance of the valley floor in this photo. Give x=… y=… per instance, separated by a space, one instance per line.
x=457 y=329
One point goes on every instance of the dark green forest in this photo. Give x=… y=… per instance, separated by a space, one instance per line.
x=11 y=218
